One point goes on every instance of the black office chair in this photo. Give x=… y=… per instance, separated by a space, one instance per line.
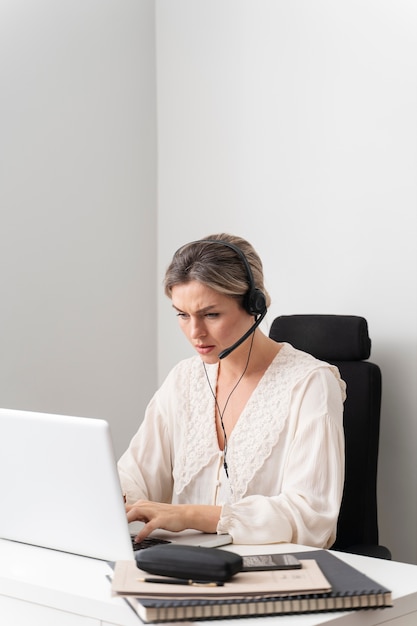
x=343 y=340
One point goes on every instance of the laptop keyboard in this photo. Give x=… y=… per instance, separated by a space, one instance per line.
x=148 y=542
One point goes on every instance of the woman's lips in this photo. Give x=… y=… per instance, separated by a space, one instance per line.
x=204 y=349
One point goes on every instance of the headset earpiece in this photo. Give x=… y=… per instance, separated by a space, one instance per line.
x=254 y=302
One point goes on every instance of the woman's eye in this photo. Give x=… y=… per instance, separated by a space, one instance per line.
x=185 y=316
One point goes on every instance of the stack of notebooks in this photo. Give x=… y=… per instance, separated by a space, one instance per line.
x=324 y=583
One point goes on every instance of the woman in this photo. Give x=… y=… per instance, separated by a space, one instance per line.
x=246 y=437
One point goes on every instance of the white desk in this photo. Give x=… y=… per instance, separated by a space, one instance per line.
x=41 y=587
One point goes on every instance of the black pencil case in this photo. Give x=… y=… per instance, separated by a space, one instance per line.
x=189 y=562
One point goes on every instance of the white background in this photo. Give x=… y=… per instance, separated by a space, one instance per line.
x=129 y=127
x=78 y=208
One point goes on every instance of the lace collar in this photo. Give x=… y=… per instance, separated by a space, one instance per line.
x=264 y=417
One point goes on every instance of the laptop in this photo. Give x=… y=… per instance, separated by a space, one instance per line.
x=60 y=489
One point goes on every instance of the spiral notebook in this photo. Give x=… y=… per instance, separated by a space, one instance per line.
x=350 y=590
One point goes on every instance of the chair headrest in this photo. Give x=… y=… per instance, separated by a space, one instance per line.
x=327 y=337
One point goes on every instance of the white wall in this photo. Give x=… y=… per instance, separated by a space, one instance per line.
x=78 y=208
x=293 y=123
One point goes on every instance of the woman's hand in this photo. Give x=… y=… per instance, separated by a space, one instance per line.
x=173 y=517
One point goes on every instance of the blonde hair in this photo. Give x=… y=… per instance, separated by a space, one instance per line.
x=219 y=267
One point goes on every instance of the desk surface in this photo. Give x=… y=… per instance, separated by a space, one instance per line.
x=37 y=585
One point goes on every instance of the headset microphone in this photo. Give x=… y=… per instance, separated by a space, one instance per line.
x=251 y=330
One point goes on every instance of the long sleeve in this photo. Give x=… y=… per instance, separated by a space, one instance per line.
x=177 y=433
x=285 y=454
x=145 y=468
x=295 y=495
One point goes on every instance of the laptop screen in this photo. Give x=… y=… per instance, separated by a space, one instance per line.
x=60 y=489
x=59 y=485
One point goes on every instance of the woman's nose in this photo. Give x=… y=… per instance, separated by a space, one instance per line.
x=197 y=329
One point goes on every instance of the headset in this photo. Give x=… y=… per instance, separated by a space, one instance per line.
x=254 y=300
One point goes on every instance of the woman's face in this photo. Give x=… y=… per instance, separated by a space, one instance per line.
x=211 y=321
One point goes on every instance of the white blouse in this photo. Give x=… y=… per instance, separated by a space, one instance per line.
x=285 y=455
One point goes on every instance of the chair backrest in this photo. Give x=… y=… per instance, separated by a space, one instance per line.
x=343 y=340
